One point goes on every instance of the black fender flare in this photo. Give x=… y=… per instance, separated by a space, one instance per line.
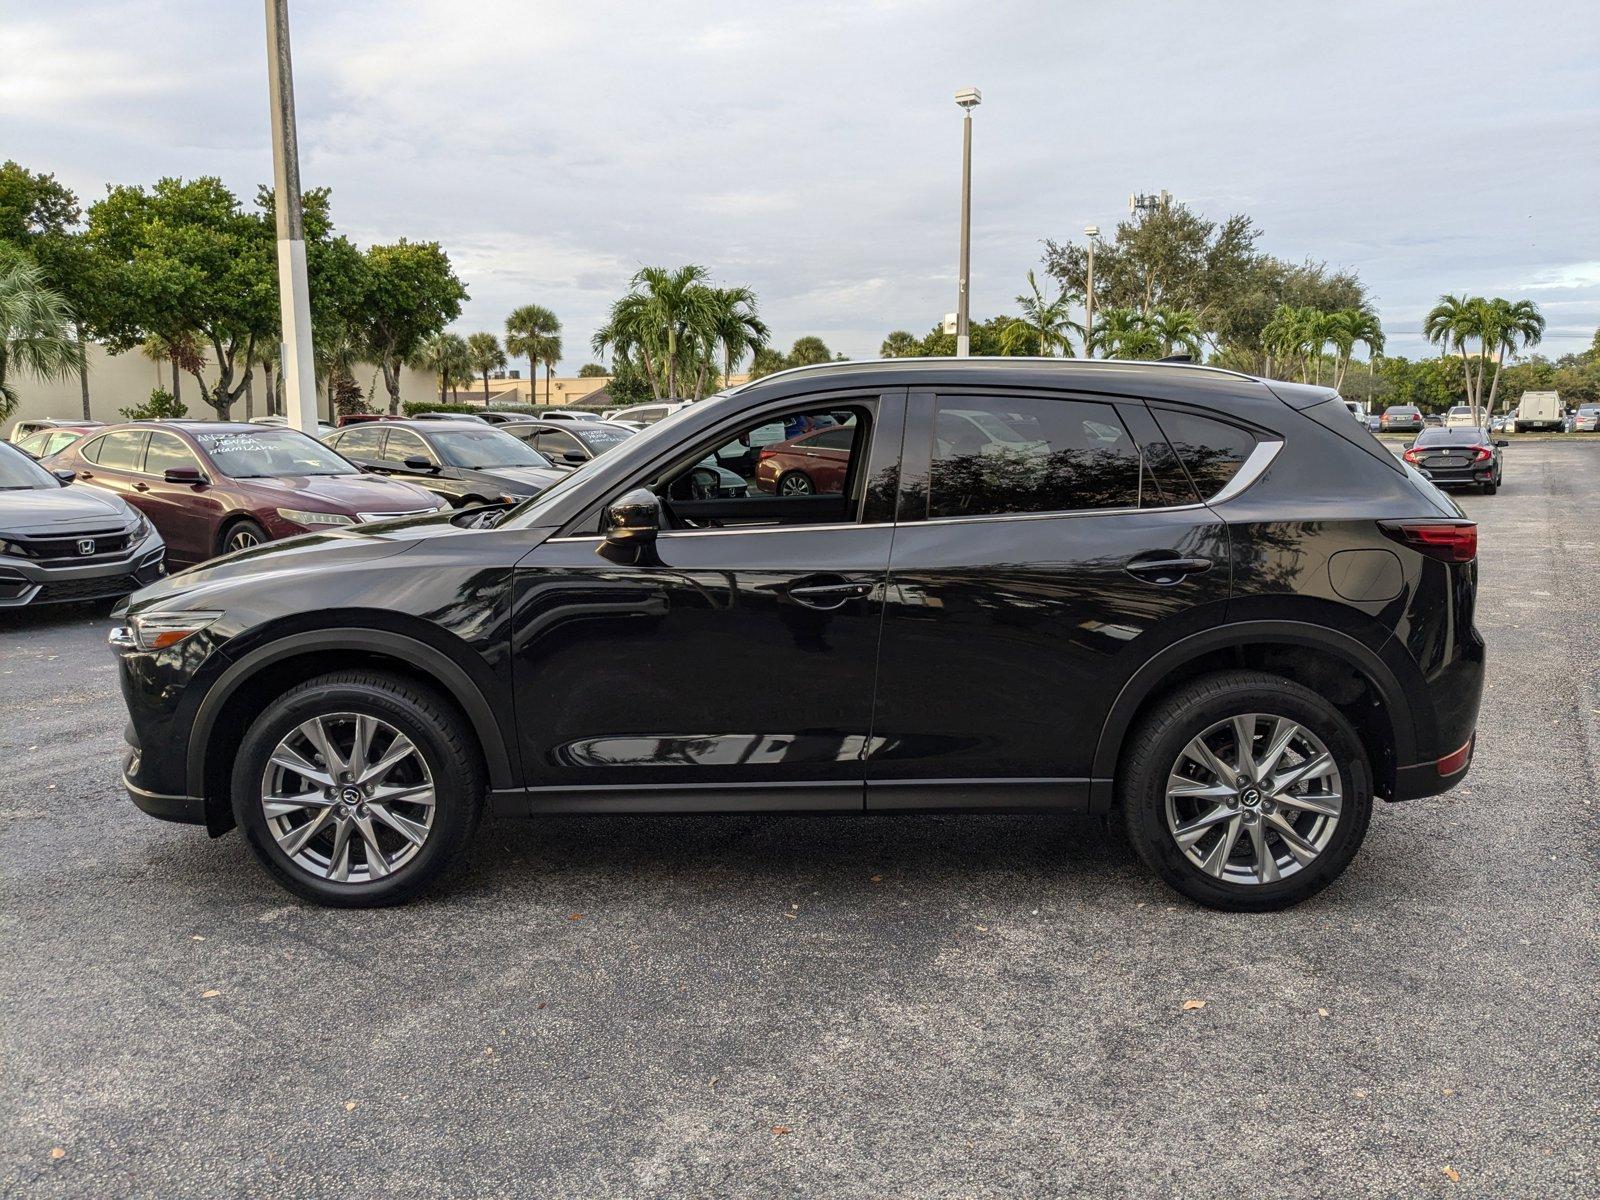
x=1148 y=679
x=445 y=673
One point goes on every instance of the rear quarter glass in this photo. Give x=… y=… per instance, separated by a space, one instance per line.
x=1211 y=450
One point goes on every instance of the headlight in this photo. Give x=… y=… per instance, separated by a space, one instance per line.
x=141 y=528
x=10 y=548
x=157 y=631
x=301 y=517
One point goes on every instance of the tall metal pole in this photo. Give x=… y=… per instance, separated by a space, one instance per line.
x=1088 y=302
x=963 y=340
x=294 y=293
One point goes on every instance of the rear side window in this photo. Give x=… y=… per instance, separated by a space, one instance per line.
x=122 y=451
x=994 y=455
x=1211 y=451
x=362 y=443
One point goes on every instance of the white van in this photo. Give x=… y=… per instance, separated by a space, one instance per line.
x=1539 y=410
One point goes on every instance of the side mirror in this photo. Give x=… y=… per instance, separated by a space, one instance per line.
x=417 y=462
x=65 y=476
x=1408 y=445
x=184 y=475
x=1501 y=442
x=634 y=518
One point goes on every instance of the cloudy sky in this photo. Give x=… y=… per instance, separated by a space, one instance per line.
x=812 y=150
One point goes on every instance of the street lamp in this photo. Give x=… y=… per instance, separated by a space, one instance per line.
x=968 y=99
x=294 y=294
x=1091 y=232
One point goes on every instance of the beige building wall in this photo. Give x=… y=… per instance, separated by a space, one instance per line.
x=118 y=381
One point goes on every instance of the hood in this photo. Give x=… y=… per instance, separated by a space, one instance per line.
x=40 y=510
x=352 y=493
x=521 y=481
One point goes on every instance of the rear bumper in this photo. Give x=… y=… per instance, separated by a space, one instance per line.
x=1463 y=475
x=1432 y=778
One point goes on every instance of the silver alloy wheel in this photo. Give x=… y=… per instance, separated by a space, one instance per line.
x=795 y=485
x=348 y=797
x=1254 y=798
x=242 y=539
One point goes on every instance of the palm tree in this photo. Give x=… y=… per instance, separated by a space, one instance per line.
x=1178 y=331
x=1516 y=325
x=631 y=337
x=735 y=328
x=486 y=354
x=35 y=327
x=446 y=355
x=1124 y=333
x=533 y=332
x=1345 y=329
x=1043 y=326
x=680 y=306
x=1450 y=324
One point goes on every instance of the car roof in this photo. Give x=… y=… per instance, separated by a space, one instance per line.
x=562 y=426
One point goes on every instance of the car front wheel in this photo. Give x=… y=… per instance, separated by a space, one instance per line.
x=1246 y=791
x=358 y=788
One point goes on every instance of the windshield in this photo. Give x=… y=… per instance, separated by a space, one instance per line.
x=1448 y=437
x=475 y=448
x=18 y=472
x=269 y=453
x=602 y=439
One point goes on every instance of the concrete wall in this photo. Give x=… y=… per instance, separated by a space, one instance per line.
x=119 y=381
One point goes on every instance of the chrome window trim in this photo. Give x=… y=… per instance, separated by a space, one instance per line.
x=1253 y=468
x=683 y=533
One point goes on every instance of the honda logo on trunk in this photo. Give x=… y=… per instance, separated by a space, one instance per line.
x=85 y=545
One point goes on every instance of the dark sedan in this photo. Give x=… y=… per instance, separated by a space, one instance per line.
x=1402 y=418
x=465 y=462
x=212 y=487
x=61 y=543
x=569 y=443
x=1458 y=456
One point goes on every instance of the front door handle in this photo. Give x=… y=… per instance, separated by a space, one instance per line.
x=827 y=592
x=141 y=487
x=1165 y=568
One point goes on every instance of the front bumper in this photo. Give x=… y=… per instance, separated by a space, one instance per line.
x=23 y=581
x=186 y=810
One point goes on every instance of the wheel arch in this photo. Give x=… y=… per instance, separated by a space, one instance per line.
x=1382 y=719
x=249 y=683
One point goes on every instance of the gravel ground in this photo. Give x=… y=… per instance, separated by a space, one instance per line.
x=774 y=1006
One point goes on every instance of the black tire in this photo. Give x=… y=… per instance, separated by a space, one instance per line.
x=1157 y=742
x=1491 y=487
x=240 y=535
x=795 y=483
x=435 y=728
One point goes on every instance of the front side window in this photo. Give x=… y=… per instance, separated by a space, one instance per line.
x=404 y=444
x=360 y=443
x=998 y=454
x=122 y=451
x=1212 y=451
x=259 y=453
x=482 y=447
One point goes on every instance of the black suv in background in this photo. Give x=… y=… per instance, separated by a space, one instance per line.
x=1210 y=601
x=60 y=543
x=463 y=461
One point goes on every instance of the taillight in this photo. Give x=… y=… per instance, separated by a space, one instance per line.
x=1482 y=455
x=1448 y=541
x=1413 y=456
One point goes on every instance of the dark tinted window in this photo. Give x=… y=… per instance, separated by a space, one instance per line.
x=995 y=455
x=167 y=450
x=1211 y=450
x=122 y=451
x=833 y=439
x=1449 y=437
x=553 y=444
x=18 y=472
x=475 y=446
x=365 y=442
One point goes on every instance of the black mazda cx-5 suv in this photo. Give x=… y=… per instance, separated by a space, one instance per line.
x=1212 y=602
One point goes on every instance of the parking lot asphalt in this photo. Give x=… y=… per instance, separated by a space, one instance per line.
x=825 y=1006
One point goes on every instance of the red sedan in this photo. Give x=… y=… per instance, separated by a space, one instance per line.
x=814 y=463
x=211 y=487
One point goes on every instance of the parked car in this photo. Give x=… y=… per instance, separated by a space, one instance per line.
x=1202 y=599
x=42 y=443
x=62 y=543
x=569 y=444
x=275 y=422
x=212 y=487
x=1357 y=409
x=33 y=425
x=568 y=414
x=815 y=463
x=449 y=416
x=642 y=416
x=361 y=418
x=1539 y=410
x=1586 y=419
x=1402 y=418
x=1461 y=416
x=1433 y=420
x=1458 y=456
x=495 y=417
x=463 y=462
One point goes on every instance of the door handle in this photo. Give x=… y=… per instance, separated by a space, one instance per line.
x=829 y=594
x=85 y=474
x=1165 y=568
x=141 y=487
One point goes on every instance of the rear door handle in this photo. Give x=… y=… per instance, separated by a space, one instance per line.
x=1165 y=568
x=141 y=487
x=827 y=592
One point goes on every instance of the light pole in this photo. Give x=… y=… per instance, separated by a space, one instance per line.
x=1091 y=232
x=298 y=369
x=968 y=99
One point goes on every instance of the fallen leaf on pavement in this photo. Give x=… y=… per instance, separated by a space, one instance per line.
x=780 y=1130
x=58 y=1152
x=349 y=1105
x=1323 y=1013
x=1191 y=1005
x=1450 y=1173
x=575 y=917
x=212 y=994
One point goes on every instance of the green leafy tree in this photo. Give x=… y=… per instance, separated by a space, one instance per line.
x=161 y=406
x=1512 y=326
x=533 y=332
x=487 y=355
x=1177 y=330
x=1044 y=326
x=900 y=344
x=447 y=356
x=732 y=327
x=1348 y=328
x=592 y=371
x=411 y=293
x=1124 y=333
x=36 y=335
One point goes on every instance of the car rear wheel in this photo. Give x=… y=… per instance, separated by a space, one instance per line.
x=1246 y=791
x=358 y=789
x=241 y=535
x=796 y=483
